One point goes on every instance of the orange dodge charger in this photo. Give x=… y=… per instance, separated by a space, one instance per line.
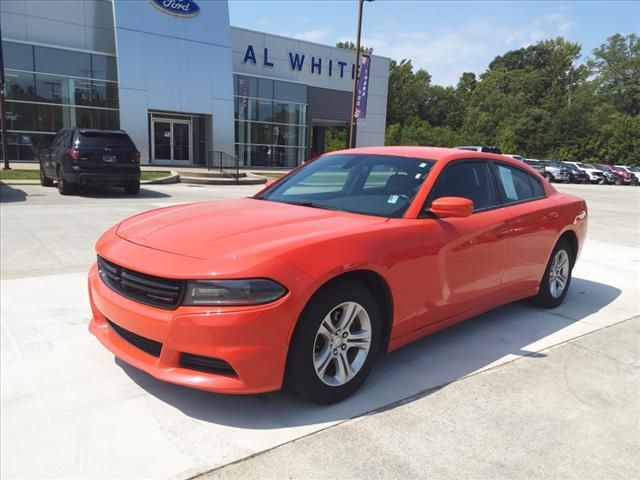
x=355 y=253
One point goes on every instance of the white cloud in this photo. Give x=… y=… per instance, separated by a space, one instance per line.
x=447 y=53
x=315 y=35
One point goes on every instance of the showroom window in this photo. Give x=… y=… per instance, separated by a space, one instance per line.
x=271 y=122
x=48 y=89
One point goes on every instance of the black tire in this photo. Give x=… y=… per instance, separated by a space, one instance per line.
x=132 y=189
x=44 y=180
x=548 y=176
x=545 y=298
x=617 y=180
x=301 y=376
x=64 y=187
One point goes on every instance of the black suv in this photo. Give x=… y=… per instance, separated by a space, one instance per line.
x=79 y=156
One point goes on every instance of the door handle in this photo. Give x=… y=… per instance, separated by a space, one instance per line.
x=549 y=217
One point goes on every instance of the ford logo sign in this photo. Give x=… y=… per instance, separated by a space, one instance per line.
x=179 y=8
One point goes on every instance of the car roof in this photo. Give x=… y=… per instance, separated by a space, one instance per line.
x=98 y=130
x=426 y=153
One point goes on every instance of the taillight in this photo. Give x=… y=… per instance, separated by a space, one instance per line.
x=135 y=156
x=74 y=153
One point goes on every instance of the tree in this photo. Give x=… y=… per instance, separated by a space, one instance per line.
x=352 y=46
x=407 y=91
x=537 y=101
x=335 y=138
x=616 y=65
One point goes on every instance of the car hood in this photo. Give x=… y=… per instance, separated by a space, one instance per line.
x=237 y=228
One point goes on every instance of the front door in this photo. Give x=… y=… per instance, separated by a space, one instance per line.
x=464 y=257
x=171 y=142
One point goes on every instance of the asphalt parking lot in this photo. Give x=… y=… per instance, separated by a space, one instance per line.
x=514 y=393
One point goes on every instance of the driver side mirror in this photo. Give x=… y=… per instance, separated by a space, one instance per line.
x=451 y=207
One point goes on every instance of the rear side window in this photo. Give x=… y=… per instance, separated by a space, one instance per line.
x=466 y=179
x=102 y=140
x=518 y=185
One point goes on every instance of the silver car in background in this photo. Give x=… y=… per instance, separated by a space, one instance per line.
x=555 y=172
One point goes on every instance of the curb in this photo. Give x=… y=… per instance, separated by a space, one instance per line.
x=20 y=182
x=174 y=177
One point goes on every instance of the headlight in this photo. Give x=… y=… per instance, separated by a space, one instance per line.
x=232 y=292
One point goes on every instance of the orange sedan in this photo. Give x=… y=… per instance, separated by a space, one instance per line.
x=356 y=253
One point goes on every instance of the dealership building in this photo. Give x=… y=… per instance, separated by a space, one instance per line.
x=179 y=79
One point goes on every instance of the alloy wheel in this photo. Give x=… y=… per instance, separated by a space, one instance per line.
x=559 y=273
x=342 y=344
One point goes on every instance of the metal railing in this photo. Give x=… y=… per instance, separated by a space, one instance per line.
x=224 y=163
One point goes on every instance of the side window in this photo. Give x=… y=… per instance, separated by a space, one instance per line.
x=57 y=140
x=66 y=141
x=466 y=179
x=517 y=185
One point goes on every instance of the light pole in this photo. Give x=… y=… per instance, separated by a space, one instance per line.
x=353 y=120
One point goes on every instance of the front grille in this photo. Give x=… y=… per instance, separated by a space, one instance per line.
x=145 y=344
x=158 y=292
x=205 y=364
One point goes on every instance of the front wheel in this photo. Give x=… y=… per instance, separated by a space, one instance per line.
x=335 y=343
x=617 y=181
x=44 y=180
x=557 y=277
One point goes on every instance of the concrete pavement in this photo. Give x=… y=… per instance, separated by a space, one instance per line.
x=70 y=410
x=568 y=412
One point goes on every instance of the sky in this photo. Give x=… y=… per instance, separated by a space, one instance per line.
x=445 y=38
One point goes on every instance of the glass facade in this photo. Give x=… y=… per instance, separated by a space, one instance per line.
x=48 y=89
x=270 y=122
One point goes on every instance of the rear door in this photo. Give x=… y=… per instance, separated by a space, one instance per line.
x=46 y=155
x=532 y=227
x=106 y=151
x=464 y=257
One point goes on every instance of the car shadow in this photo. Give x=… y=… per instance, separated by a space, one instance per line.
x=117 y=192
x=8 y=194
x=404 y=375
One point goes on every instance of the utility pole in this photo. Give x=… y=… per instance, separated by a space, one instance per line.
x=3 y=112
x=353 y=120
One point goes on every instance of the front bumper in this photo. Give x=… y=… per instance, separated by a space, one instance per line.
x=252 y=340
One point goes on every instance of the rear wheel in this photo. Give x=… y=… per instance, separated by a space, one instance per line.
x=557 y=277
x=64 y=187
x=44 y=180
x=132 y=189
x=335 y=343
x=548 y=176
x=617 y=180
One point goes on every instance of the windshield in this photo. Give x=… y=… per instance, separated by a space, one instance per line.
x=380 y=185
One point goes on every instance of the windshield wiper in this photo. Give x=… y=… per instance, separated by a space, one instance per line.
x=312 y=205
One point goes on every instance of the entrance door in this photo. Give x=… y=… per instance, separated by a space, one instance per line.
x=171 y=141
